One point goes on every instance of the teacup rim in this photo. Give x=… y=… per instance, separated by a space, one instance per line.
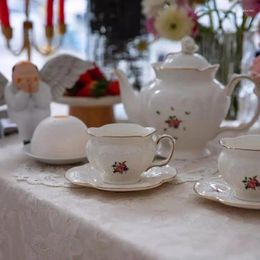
x=225 y=145
x=151 y=132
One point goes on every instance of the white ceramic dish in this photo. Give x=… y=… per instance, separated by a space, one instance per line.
x=54 y=161
x=87 y=176
x=59 y=136
x=216 y=189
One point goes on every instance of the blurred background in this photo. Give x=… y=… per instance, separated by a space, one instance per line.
x=116 y=33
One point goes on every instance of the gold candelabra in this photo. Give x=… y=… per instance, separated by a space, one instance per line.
x=28 y=42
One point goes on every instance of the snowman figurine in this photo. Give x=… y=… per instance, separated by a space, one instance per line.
x=31 y=91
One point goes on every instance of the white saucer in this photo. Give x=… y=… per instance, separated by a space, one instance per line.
x=215 y=188
x=86 y=175
x=54 y=161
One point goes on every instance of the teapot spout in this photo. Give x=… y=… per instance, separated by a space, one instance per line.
x=130 y=98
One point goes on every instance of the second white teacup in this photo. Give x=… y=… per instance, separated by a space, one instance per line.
x=239 y=164
x=122 y=152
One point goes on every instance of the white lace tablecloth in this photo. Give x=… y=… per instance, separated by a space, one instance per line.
x=42 y=216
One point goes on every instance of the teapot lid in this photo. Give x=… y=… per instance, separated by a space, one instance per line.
x=187 y=58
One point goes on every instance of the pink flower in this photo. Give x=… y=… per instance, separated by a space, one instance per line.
x=185 y=5
x=255 y=69
x=194 y=18
x=251 y=7
x=181 y=2
x=149 y=24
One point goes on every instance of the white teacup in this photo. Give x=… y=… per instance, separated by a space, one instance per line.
x=122 y=152
x=239 y=164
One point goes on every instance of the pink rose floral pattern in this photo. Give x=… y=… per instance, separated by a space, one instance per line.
x=173 y=121
x=120 y=167
x=251 y=183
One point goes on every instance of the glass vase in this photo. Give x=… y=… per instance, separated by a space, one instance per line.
x=234 y=53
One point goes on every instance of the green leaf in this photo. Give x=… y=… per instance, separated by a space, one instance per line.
x=99 y=89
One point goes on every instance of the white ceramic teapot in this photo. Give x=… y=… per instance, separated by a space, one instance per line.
x=185 y=100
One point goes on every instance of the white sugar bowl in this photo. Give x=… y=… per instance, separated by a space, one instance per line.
x=239 y=164
x=60 y=137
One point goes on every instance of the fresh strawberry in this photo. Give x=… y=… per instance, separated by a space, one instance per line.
x=113 y=88
x=92 y=83
x=85 y=91
x=85 y=78
x=99 y=88
x=73 y=91
x=96 y=74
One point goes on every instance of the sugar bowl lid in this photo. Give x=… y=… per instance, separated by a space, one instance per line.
x=187 y=58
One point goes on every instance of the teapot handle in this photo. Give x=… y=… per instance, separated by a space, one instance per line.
x=229 y=89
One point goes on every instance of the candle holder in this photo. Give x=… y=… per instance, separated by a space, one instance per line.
x=29 y=42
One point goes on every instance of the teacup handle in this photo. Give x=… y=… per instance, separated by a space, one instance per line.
x=164 y=161
x=229 y=89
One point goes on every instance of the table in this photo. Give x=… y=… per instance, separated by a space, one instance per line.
x=170 y=222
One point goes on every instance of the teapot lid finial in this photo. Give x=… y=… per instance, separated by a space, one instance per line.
x=188 y=45
x=187 y=57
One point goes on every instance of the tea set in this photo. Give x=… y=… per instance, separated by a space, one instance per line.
x=178 y=113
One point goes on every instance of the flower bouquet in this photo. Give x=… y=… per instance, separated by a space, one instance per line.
x=174 y=19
